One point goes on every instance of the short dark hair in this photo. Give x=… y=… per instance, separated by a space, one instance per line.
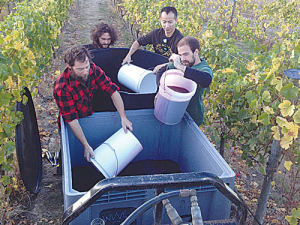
x=100 y=29
x=76 y=53
x=192 y=42
x=169 y=9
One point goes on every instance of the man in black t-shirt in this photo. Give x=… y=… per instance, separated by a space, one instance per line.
x=164 y=39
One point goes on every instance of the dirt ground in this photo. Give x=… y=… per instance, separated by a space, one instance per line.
x=46 y=207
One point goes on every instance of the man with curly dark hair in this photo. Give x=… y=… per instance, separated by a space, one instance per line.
x=103 y=35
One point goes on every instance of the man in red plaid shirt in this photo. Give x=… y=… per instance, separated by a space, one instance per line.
x=74 y=90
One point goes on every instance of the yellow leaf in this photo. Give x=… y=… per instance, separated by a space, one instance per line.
x=207 y=34
x=26 y=71
x=9 y=82
x=286 y=108
x=268 y=110
x=266 y=95
x=275 y=64
x=293 y=128
x=18 y=45
x=251 y=66
x=228 y=70
x=289 y=218
x=284 y=28
x=284 y=130
x=276 y=133
x=253 y=119
x=281 y=121
x=287 y=136
x=285 y=142
x=287 y=165
x=279 y=86
x=16 y=34
x=284 y=104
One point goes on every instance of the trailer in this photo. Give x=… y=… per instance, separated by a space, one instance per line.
x=178 y=176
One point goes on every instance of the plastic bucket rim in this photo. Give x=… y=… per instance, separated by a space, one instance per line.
x=142 y=76
x=172 y=95
x=105 y=170
x=135 y=82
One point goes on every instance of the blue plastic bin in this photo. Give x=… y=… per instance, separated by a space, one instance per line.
x=184 y=144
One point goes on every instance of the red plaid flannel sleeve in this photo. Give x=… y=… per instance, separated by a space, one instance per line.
x=104 y=81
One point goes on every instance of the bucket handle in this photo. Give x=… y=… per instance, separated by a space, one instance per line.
x=115 y=155
x=164 y=87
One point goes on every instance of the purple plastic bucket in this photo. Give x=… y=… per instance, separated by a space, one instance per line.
x=174 y=95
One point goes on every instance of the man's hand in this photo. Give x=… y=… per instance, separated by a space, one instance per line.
x=134 y=47
x=77 y=131
x=118 y=102
x=177 y=63
x=126 y=124
x=88 y=153
x=158 y=67
x=127 y=60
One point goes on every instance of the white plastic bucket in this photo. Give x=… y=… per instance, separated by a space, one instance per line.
x=137 y=79
x=174 y=95
x=116 y=153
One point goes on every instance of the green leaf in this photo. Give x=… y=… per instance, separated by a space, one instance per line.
x=297 y=49
x=250 y=96
x=264 y=47
x=266 y=96
x=261 y=159
x=289 y=91
x=264 y=119
x=242 y=114
x=1 y=55
x=259 y=88
x=3 y=69
x=262 y=170
x=15 y=68
x=296 y=213
x=296 y=117
x=5 y=180
x=253 y=104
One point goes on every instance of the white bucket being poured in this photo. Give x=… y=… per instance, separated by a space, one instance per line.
x=174 y=95
x=137 y=79
x=116 y=153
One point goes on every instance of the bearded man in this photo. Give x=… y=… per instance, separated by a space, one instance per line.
x=74 y=90
x=188 y=61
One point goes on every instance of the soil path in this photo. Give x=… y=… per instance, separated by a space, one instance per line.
x=47 y=206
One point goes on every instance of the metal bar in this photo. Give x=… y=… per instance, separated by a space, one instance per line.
x=180 y=180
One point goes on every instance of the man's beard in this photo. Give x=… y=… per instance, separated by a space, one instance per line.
x=102 y=46
x=79 y=78
x=188 y=63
